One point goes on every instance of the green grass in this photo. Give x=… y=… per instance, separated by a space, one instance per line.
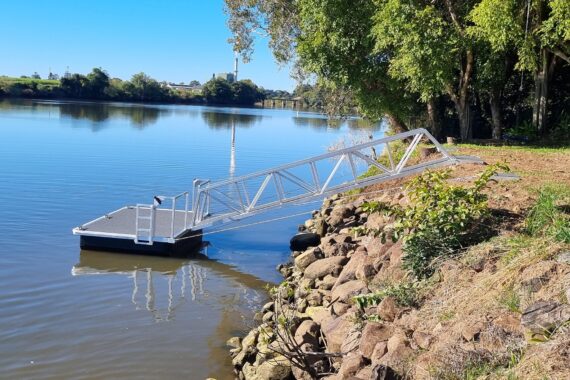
x=11 y=80
x=550 y=215
x=510 y=300
x=532 y=148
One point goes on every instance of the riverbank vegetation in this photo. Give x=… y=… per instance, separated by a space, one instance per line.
x=98 y=85
x=470 y=69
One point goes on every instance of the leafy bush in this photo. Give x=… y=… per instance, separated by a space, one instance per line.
x=439 y=217
x=547 y=216
x=405 y=293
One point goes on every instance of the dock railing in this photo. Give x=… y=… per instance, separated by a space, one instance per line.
x=171 y=204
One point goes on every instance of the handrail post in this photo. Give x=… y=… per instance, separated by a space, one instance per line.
x=173 y=217
x=186 y=199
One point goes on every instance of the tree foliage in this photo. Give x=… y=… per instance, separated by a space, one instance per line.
x=458 y=62
x=98 y=85
x=220 y=91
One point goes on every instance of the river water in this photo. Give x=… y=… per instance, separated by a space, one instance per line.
x=67 y=313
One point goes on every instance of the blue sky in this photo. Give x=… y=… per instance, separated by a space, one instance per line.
x=172 y=40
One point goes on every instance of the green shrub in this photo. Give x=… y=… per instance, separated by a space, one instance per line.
x=547 y=217
x=439 y=217
x=406 y=294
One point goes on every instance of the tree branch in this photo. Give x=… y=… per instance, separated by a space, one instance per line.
x=560 y=54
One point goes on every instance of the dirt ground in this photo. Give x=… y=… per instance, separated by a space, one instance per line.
x=535 y=168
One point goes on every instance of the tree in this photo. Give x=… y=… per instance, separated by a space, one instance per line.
x=142 y=87
x=73 y=86
x=194 y=83
x=98 y=82
x=539 y=33
x=331 y=39
x=245 y=92
x=218 y=91
x=35 y=75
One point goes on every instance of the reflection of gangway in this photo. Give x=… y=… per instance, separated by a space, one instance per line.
x=144 y=275
x=155 y=228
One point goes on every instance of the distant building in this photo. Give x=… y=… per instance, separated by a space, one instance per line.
x=230 y=77
x=196 y=89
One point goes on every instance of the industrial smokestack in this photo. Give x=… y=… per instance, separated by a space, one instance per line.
x=236 y=69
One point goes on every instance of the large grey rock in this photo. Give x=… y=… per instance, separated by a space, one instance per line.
x=337 y=249
x=382 y=372
x=376 y=248
x=250 y=340
x=323 y=267
x=372 y=334
x=351 y=364
x=234 y=342
x=321 y=227
x=352 y=340
x=423 y=340
x=388 y=309
x=349 y=270
x=278 y=368
x=315 y=298
x=339 y=213
x=336 y=330
x=345 y=292
x=307 y=258
x=308 y=332
x=326 y=283
x=543 y=317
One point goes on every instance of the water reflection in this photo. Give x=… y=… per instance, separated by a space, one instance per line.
x=220 y=120
x=353 y=123
x=160 y=285
x=139 y=116
x=143 y=115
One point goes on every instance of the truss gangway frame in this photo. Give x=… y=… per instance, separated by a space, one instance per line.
x=241 y=202
x=298 y=182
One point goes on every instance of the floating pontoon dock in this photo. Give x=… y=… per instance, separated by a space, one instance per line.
x=173 y=225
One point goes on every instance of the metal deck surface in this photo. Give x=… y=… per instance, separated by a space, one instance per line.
x=122 y=224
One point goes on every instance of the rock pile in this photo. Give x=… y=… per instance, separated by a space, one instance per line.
x=314 y=328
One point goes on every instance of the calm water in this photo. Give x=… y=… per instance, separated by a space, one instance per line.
x=66 y=313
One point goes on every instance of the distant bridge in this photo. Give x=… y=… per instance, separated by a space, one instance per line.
x=283 y=102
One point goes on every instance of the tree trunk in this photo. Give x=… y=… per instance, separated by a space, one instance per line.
x=496 y=113
x=397 y=125
x=462 y=109
x=461 y=97
x=541 y=88
x=434 y=123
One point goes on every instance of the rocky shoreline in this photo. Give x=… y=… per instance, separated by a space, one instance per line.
x=315 y=327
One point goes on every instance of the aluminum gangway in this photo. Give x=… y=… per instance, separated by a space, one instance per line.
x=156 y=227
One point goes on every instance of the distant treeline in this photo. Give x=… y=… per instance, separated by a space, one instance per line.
x=98 y=85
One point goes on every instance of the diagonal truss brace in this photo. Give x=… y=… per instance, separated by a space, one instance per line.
x=237 y=198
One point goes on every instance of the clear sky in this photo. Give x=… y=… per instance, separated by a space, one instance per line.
x=171 y=40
